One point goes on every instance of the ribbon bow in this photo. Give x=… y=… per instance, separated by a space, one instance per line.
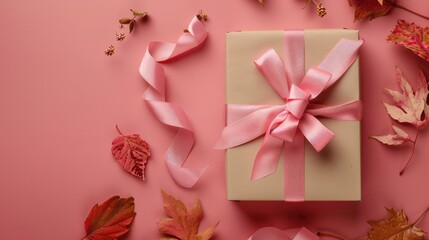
x=296 y=119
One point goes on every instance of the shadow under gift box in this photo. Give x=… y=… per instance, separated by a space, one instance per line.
x=333 y=173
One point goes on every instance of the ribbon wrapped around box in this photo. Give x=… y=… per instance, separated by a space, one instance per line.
x=293 y=111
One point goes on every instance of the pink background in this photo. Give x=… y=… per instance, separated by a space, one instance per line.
x=60 y=99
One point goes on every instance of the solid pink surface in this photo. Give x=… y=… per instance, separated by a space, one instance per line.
x=61 y=98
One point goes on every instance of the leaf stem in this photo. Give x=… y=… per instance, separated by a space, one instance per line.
x=331 y=235
x=421 y=216
x=409 y=10
x=119 y=131
x=412 y=153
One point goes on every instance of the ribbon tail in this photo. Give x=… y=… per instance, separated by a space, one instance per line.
x=176 y=156
x=315 y=132
x=267 y=159
x=170 y=114
x=188 y=41
x=294 y=169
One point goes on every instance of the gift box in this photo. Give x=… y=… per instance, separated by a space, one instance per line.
x=302 y=173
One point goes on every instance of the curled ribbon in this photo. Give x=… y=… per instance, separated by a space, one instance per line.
x=169 y=113
x=289 y=234
x=296 y=120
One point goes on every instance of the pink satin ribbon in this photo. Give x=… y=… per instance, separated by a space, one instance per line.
x=169 y=113
x=296 y=120
x=270 y=233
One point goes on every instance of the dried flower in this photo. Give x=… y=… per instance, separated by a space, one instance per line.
x=202 y=16
x=131 y=22
x=110 y=50
x=120 y=36
x=321 y=10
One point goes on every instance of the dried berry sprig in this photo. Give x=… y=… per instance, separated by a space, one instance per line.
x=321 y=10
x=131 y=22
x=202 y=16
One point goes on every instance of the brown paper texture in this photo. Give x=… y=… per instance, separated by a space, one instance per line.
x=333 y=173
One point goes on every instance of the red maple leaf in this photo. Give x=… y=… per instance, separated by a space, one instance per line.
x=110 y=220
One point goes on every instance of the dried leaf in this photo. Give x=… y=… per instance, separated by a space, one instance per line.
x=133 y=22
x=261 y=1
x=110 y=220
x=411 y=36
x=132 y=153
x=381 y=2
x=395 y=227
x=124 y=21
x=139 y=14
x=410 y=104
x=400 y=137
x=183 y=223
x=371 y=9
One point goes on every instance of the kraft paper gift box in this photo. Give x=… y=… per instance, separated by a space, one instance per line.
x=331 y=174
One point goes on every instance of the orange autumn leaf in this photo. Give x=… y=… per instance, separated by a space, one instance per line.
x=395 y=227
x=183 y=223
x=372 y=9
x=110 y=220
x=132 y=153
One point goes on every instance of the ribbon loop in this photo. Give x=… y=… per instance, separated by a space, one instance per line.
x=271 y=66
x=315 y=81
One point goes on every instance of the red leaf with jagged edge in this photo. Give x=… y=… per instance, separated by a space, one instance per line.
x=371 y=9
x=183 y=223
x=411 y=36
x=110 y=220
x=132 y=153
